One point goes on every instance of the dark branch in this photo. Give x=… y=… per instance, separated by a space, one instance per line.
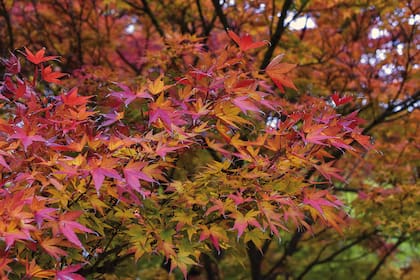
x=4 y=13
x=384 y=258
x=125 y=60
x=290 y=249
x=220 y=14
x=281 y=27
x=148 y=11
x=392 y=110
x=335 y=254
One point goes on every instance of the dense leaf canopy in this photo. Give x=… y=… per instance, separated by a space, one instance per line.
x=209 y=139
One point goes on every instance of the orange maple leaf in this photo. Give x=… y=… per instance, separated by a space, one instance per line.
x=276 y=71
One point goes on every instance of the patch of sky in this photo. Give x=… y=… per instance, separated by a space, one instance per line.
x=414 y=19
x=376 y=33
x=299 y=23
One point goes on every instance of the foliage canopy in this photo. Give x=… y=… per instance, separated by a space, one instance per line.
x=201 y=137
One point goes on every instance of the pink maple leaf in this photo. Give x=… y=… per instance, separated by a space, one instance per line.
x=243 y=103
x=68 y=227
x=44 y=214
x=317 y=199
x=26 y=139
x=68 y=273
x=133 y=173
x=99 y=173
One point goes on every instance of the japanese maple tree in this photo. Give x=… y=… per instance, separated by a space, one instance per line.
x=144 y=136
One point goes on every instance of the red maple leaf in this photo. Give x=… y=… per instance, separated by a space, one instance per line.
x=276 y=71
x=340 y=100
x=52 y=77
x=127 y=95
x=39 y=56
x=245 y=42
x=363 y=140
x=328 y=171
x=71 y=98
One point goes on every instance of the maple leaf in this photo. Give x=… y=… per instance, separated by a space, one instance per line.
x=328 y=171
x=40 y=211
x=79 y=113
x=68 y=226
x=257 y=237
x=13 y=233
x=52 y=77
x=238 y=199
x=241 y=221
x=215 y=234
x=157 y=86
x=25 y=138
x=38 y=57
x=33 y=270
x=363 y=140
x=68 y=273
x=276 y=71
x=340 y=100
x=50 y=246
x=245 y=42
x=21 y=89
x=3 y=162
x=163 y=149
x=4 y=264
x=133 y=173
x=319 y=198
x=73 y=146
x=12 y=64
x=100 y=171
x=72 y=99
x=315 y=134
x=127 y=95
x=340 y=144
x=199 y=109
x=112 y=118
x=334 y=220
x=162 y=110
x=220 y=206
x=245 y=104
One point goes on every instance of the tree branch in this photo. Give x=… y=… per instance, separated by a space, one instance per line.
x=125 y=60
x=148 y=11
x=381 y=262
x=335 y=254
x=281 y=27
x=220 y=14
x=6 y=16
x=391 y=110
x=290 y=249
